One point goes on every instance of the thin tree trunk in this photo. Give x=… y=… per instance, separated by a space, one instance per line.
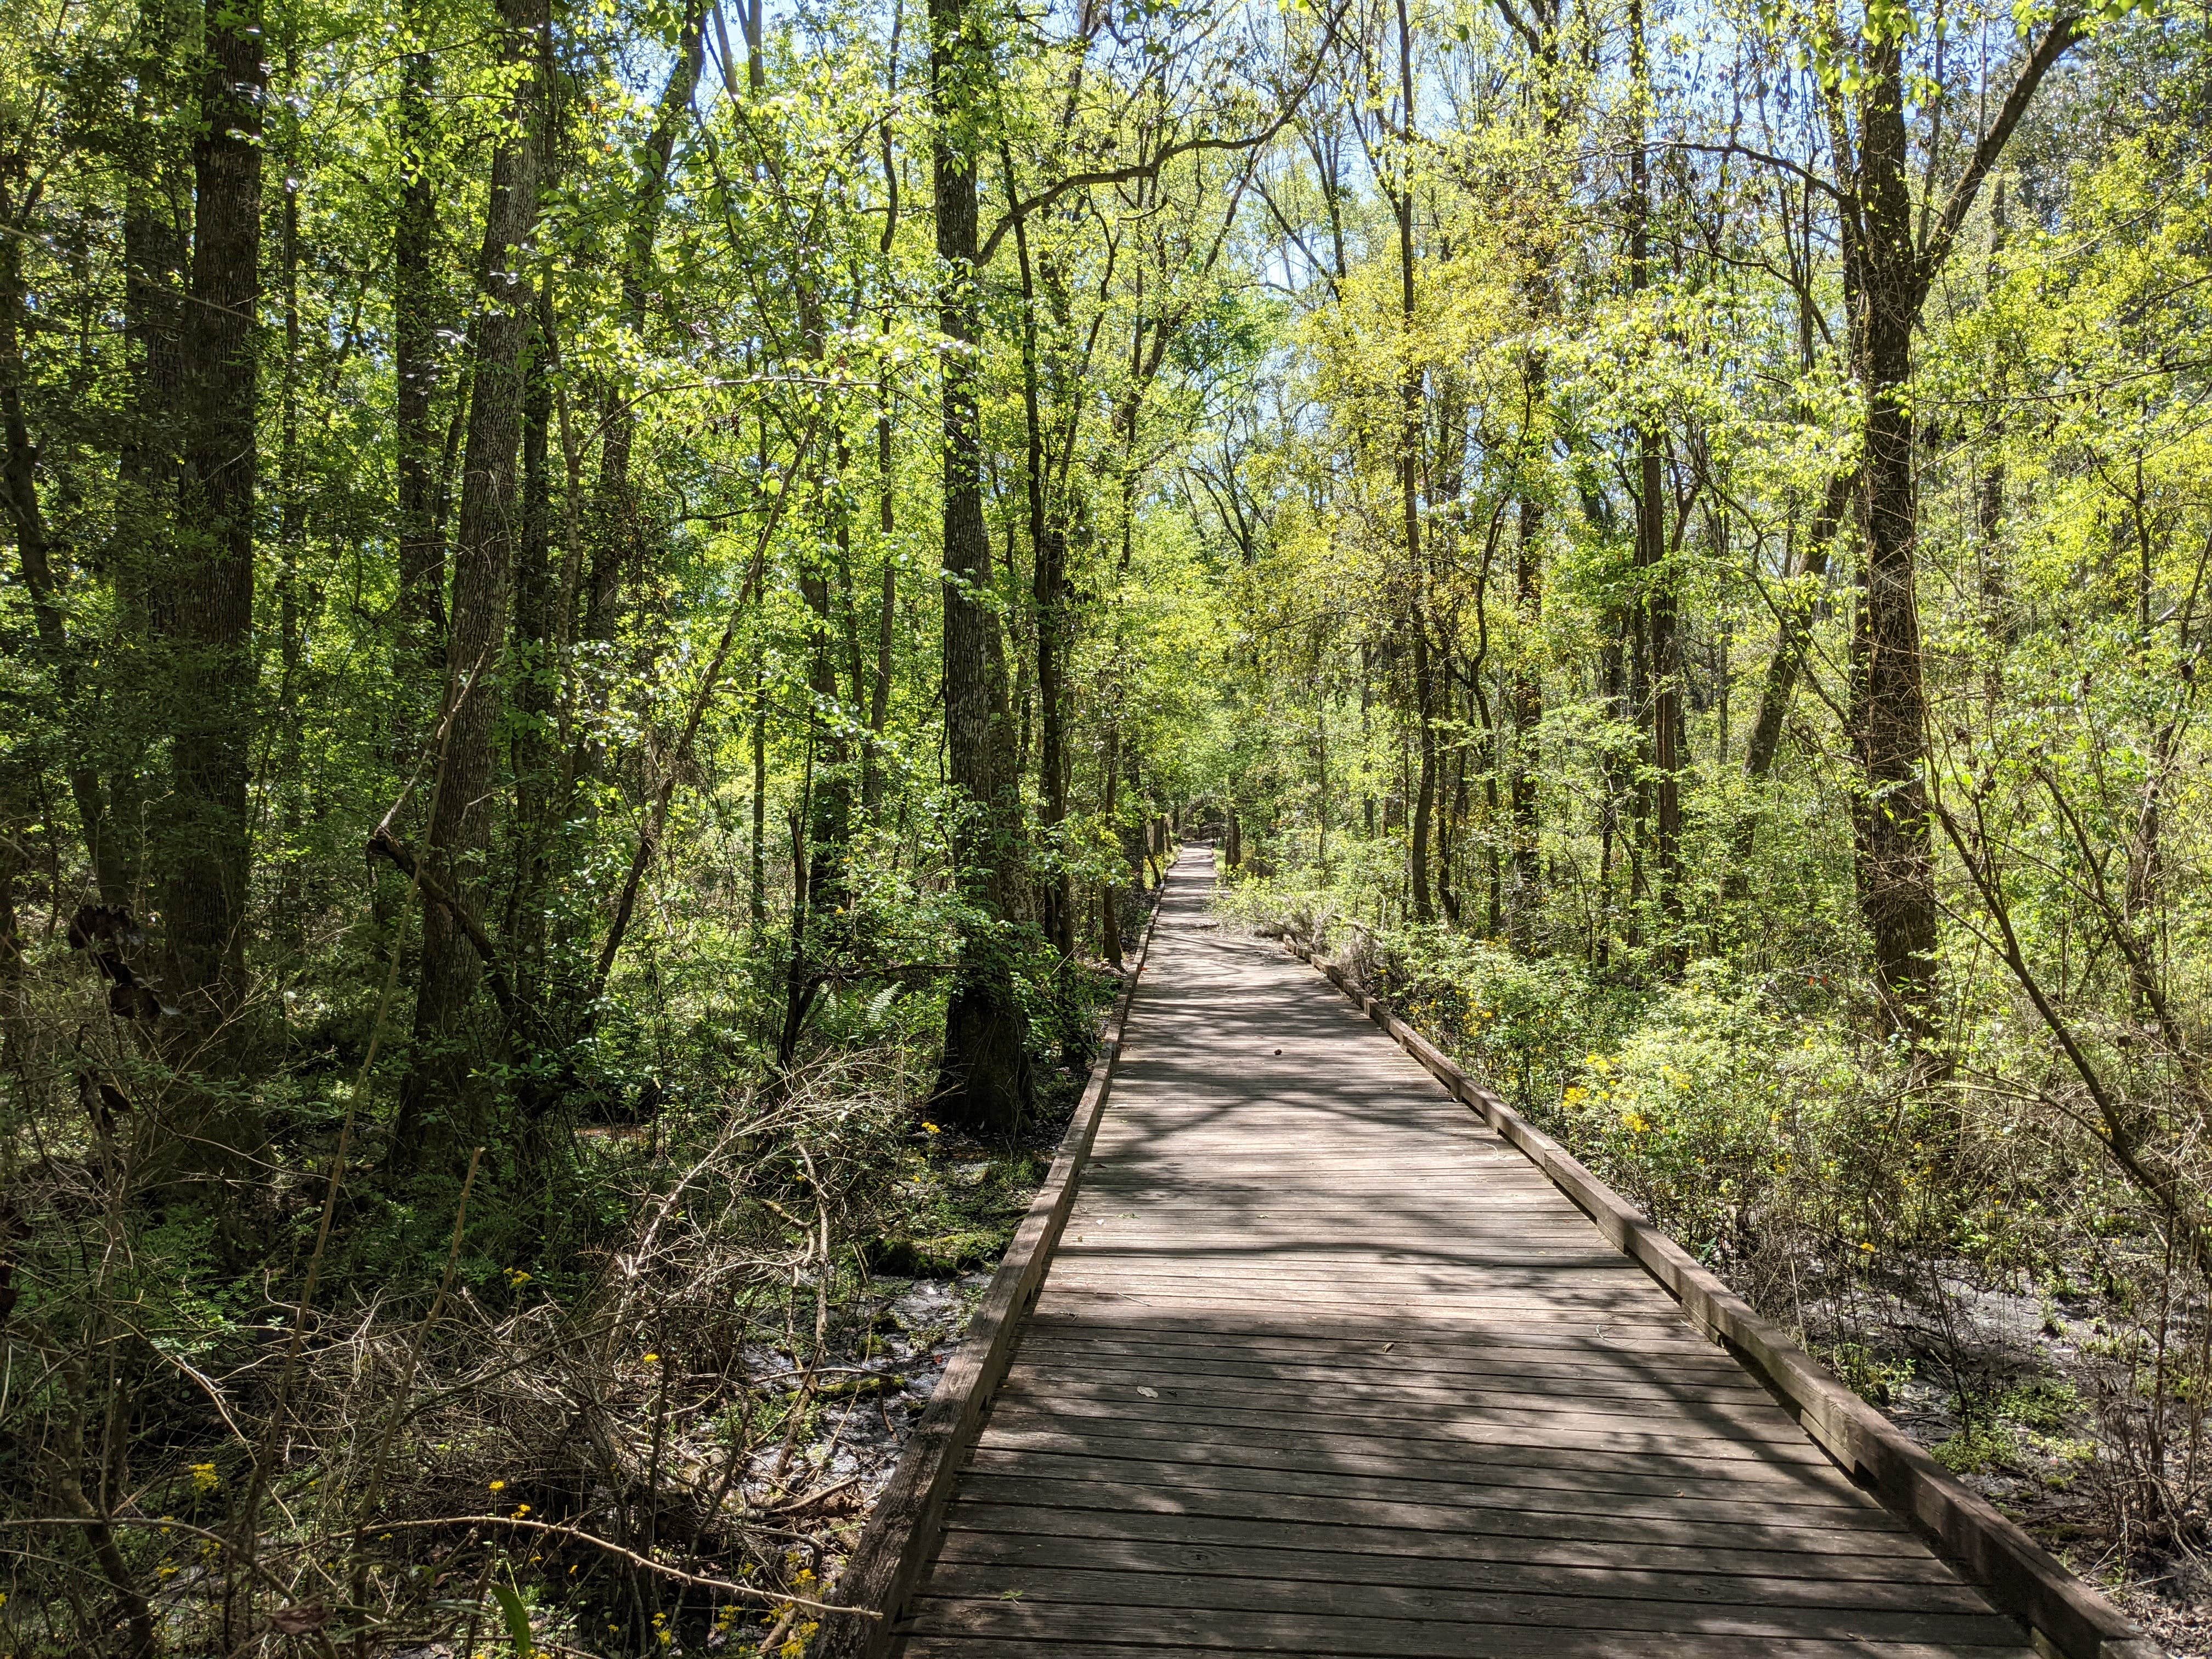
x=534 y=652
x=619 y=552
x=757 y=863
x=879 y=703
x=1049 y=544
x=1796 y=637
x=1526 y=699
x=1657 y=581
x=20 y=486
x=439 y=1108
x=822 y=828
x=419 y=662
x=1110 y=916
x=157 y=217
x=1409 y=480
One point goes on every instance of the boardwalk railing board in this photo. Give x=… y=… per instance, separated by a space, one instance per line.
x=2065 y=1615
x=896 y=1546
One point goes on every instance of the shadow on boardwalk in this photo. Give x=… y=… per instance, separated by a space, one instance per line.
x=1323 y=1367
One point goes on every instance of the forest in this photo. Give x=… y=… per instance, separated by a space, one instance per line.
x=611 y=614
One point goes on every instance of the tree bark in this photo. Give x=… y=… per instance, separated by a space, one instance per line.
x=533 y=654
x=1526 y=699
x=1410 y=414
x=157 y=217
x=618 y=552
x=1894 y=864
x=822 y=827
x=1650 y=556
x=1897 y=262
x=1049 y=595
x=204 y=842
x=984 y=1080
x=437 y=1108
x=19 y=487
x=419 y=654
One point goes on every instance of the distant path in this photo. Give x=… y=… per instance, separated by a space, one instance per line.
x=1324 y=1367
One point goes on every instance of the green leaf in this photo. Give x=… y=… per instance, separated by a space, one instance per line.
x=517 y=1618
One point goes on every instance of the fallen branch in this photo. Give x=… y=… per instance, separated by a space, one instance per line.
x=751 y=1592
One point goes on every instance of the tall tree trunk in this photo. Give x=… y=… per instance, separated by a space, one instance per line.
x=286 y=924
x=1526 y=700
x=1895 y=866
x=1410 y=414
x=879 y=701
x=534 y=674
x=1990 y=508
x=439 y=1110
x=419 y=650
x=204 y=842
x=879 y=698
x=985 y=1078
x=823 y=829
x=1657 y=580
x=157 y=217
x=1110 y=913
x=618 y=553
x=19 y=487
x=1048 y=545
x=1898 y=255
x=757 y=855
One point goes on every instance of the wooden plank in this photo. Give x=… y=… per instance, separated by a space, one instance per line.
x=1412 y=1441
x=1708 y=1555
x=1323 y=1605
x=1497 y=1508
x=1520 y=1480
x=1319 y=1455
x=1495 y=1511
x=1716 y=1578
x=1544 y=1354
x=1574 y=1380
x=2025 y=1578
x=1499 y=1643
x=888 y=1563
x=1171 y=1636
x=1167 y=1399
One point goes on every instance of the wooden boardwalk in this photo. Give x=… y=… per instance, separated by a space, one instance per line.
x=1322 y=1366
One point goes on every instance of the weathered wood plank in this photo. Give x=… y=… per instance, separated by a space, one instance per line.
x=1497 y=1512
x=1324 y=1364
x=2025 y=1578
x=1498 y=1642
x=958 y=1593
x=1173 y=1636
x=1267 y=1529
x=893 y=1553
x=1705 y=1578
x=1525 y=1482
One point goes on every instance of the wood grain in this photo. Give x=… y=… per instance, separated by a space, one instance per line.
x=1325 y=1363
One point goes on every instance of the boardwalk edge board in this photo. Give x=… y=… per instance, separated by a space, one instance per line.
x=900 y=1540
x=2065 y=1615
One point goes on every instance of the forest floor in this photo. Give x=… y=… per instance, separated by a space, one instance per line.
x=2019 y=1390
